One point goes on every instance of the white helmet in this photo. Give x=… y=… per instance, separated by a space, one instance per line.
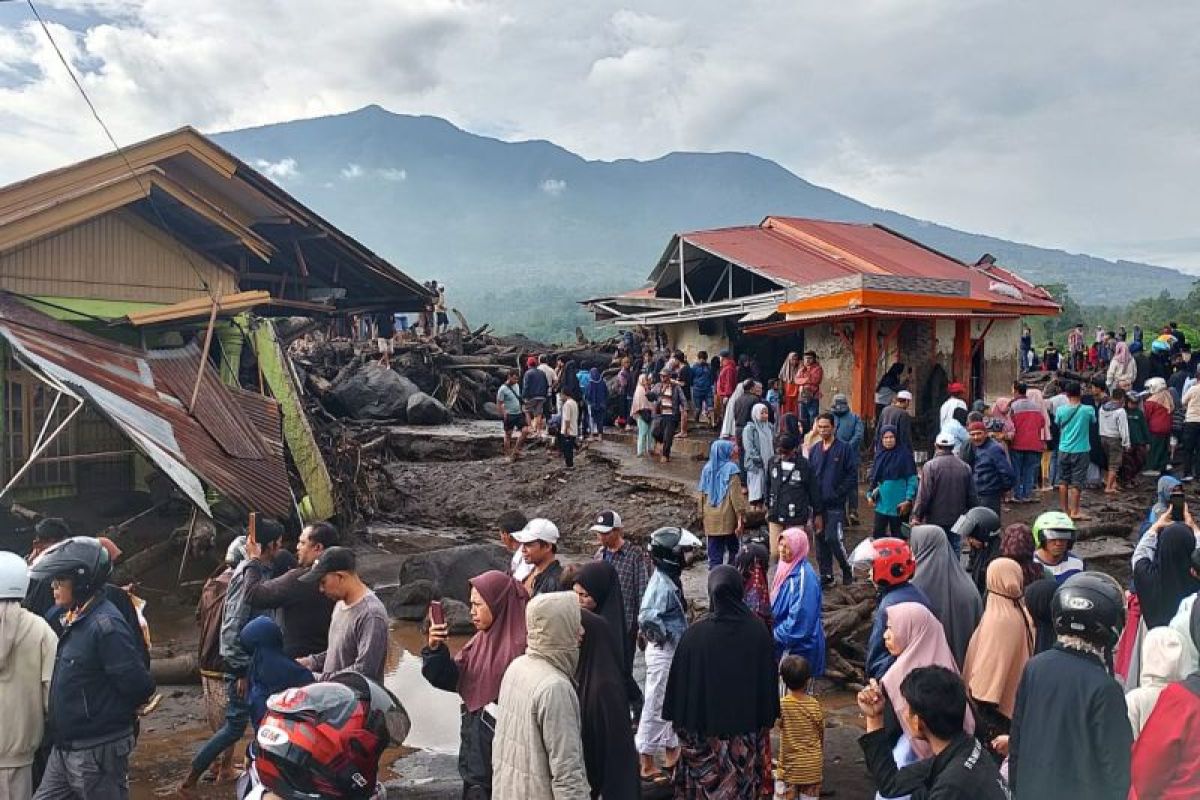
x=14 y=576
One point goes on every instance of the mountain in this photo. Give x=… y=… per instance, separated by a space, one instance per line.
x=519 y=231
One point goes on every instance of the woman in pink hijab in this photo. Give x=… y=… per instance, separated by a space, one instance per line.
x=796 y=603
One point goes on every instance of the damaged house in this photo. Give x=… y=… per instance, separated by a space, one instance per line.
x=137 y=345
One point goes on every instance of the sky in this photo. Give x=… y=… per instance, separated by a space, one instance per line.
x=1068 y=124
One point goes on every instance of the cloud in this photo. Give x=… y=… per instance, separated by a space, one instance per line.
x=284 y=169
x=553 y=186
x=351 y=171
x=392 y=174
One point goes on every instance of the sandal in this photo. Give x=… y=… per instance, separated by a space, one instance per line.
x=659 y=778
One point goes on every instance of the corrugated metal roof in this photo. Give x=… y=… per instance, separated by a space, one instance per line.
x=127 y=386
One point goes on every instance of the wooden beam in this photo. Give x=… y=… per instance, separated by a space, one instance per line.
x=300 y=262
x=208 y=334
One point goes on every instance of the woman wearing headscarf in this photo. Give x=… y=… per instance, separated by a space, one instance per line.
x=598 y=589
x=999 y=422
x=892 y=483
x=722 y=504
x=796 y=603
x=788 y=386
x=887 y=388
x=597 y=400
x=608 y=753
x=270 y=670
x=498 y=612
x=728 y=419
x=1122 y=370
x=1038 y=597
x=1017 y=543
x=1164 y=661
x=724 y=699
x=951 y=592
x=758 y=446
x=642 y=410
x=999 y=648
x=1162 y=568
x=1158 y=407
x=752 y=565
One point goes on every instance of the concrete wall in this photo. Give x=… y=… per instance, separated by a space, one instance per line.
x=836 y=358
x=1001 y=355
x=686 y=336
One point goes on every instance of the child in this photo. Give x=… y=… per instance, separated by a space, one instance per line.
x=801 y=734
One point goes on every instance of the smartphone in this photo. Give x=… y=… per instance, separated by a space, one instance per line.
x=1177 y=507
x=437 y=616
x=252 y=529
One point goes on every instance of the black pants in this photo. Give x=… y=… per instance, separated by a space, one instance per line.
x=1190 y=445
x=669 y=425
x=566 y=444
x=992 y=501
x=830 y=545
x=885 y=525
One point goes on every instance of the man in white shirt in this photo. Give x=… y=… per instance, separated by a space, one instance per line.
x=511 y=522
x=955 y=400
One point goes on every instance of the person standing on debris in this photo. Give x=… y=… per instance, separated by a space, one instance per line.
x=535 y=388
x=539 y=547
x=99 y=679
x=304 y=613
x=27 y=652
x=538 y=748
x=1074 y=421
x=835 y=471
x=993 y=471
x=498 y=605
x=439 y=306
x=568 y=427
x=508 y=397
x=1050 y=357
x=508 y=524
x=634 y=574
x=723 y=505
x=669 y=402
x=597 y=401
x=358 y=631
x=551 y=381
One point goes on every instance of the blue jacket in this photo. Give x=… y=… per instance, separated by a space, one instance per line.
x=702 y=379
x=878 y=658
x=836 y=472
x=99 y=678
x=994 y=473
x=534 y=384
x=797 y=613
x=850 y=429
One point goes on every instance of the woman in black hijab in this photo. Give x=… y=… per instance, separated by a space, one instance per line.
x=1161 y=569
x=598 y=589
x=1037 y=601
x=722 y=697
x=608 y=752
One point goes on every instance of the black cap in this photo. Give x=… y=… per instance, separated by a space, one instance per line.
x=334 y=559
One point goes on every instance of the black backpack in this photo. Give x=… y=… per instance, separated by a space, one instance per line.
x=790 y=490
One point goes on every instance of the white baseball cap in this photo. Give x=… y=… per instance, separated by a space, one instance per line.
x=944 y=440
x=538 y=530
x=606 y=521
x=904 y=394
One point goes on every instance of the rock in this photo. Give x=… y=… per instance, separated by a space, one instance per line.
x=408 y=602
x=449 y=570
x=374 y=392
x=492 y=411
x=458 y=616
x=425 y=410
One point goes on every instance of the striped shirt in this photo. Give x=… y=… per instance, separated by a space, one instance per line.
x=801 y=737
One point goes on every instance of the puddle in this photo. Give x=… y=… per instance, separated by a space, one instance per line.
x=434 y=713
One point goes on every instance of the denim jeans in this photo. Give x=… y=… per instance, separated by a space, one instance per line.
x=809 y=410
x=237 y=716
x=830 y=544
x=720 y=546
x=1026 y=463
x=645 y=442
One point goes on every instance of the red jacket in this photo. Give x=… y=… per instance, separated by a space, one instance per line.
x=727 y=378
x=1028 y=422
x=1166 y=757
x=1157 y=418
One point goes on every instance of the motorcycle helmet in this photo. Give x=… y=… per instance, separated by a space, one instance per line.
x=666 y=547
x=1053 y=525
x=80 y=558
x=893 y=564
x=1089 y=605
x=980 y=523
x=14 y=576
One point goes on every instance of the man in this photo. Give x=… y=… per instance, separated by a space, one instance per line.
x=535 y=388
x=537 y=750
x=726 y=383
x=946 y=413
x=683 y=376
x=236 y=613
x=898 y=417
x=1026 y=348
x=947 y=487
x=508 y=397
x=1028 y=444
x=960 y=768
x=439 y=305
x=702 y=387
x=992 y=470
x=1054 y=536
x=48 y=532
x=809 y=377
x=633 y=572
x=1074 y=422
x=1190 y=441
x=304 y=613
x=1050 y=358
x=1075 y=346
x=539 y=548
x=210 y=613
x=851 y=430
x=385 y=331
x=792 y=492
x=358 y=630
x=835 y=471
x=99 y=679
x=1070 y=730
x=892 y=571
x=508 y=524
x=27 y=650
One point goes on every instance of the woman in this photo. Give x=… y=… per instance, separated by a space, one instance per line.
x=752 y=565
x=788 y=385
x=270 y=670
x=916 y=639
x=1001 y=645
x=758 y=445
x=1161 y=569
x=598 y=589
x=956 y=427
x=1159 y=407
x=1122 y=370
x=999 y=422
x=887 y=388
x=722 y=503
x=498 y=614
x=669 y=408
x=952 y=593
x=608 y=753
x=1038 y=597
x=724 y=700
x=1017 y=543
x=1164 y=661
x=728 y=423
x=642 y=411
x=796 y=603
x=597 y=401
x=892 y=484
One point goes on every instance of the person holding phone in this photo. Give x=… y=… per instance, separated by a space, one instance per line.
x=1161 y=564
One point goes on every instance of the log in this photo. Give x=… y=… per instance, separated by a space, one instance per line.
x=175 y=671
x=347 y=370
x=840 y=623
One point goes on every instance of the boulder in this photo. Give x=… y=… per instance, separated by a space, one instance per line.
x=423 y=409
x=375 y=392
x=408 y=602
x=449 y=570
x=492 y=411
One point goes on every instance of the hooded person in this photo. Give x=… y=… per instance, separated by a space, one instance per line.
x=724 y=700
x=999 y=649
x=1164 y=661
x=270 y=670
x=537 y=751
x=758 y=446
x=608 y=752
x=729 y=420
x=498 y=604
x=1162 y=570
x=752 y=562
x=796 y=603
x=891 y=483
x=1038 y=597
x=598 y=589
x=953 y=597
x=787 y=384
x=597 y=400
x=1158 y=408
x=722 y=504
x=1166 y=486
x=1122 y=368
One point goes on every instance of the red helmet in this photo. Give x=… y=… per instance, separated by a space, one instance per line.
x=324 y=740
x=893 y=564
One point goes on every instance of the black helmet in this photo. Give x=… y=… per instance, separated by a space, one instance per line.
x=980 y=523
x=1089 y=605
x=665 y=548
x=80 y=558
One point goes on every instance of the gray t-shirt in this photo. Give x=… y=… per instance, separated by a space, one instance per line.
x=358 y=641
